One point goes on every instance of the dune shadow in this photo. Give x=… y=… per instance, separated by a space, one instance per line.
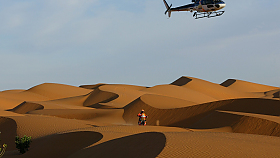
x=95 y=86
x=228 y=82
x=26 y=107
x=62 y=145
x=247 y=105
x=147 y=145
x=276 y=95
x=213 y=120
x=181 y=81
x=99 y=96
x=8 y=129
x=254 y=105
x=100 y=106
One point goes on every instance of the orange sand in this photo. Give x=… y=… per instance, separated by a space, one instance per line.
x=188 y=118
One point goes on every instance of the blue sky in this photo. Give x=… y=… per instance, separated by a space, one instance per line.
x=79 y=42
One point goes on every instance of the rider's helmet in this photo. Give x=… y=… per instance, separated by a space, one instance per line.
x=142 y=111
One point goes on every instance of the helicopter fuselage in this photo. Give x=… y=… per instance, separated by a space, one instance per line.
x=200 y=7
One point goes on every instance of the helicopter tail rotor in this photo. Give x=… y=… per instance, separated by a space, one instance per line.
x=168 y=8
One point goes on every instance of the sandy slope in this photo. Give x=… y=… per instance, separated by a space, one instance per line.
x=180 y=93
x=7 y=103
x=110 y=116
x=187 y=118
x=208 y=144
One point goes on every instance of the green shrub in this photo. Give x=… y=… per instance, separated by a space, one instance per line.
x=22 y=144
x=4 y=149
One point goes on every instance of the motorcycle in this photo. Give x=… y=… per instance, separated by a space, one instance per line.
x=142 y=121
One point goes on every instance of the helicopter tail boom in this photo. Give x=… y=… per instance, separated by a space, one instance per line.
x=168 y=8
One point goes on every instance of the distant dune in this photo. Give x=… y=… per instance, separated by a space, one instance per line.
x=189 y=117
x=247 y=86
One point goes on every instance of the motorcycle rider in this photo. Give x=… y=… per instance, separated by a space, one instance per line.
x=142 y=117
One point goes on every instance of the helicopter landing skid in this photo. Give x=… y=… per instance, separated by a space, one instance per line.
x=199 y=15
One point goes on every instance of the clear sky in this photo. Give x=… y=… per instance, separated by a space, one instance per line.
x=79 y=42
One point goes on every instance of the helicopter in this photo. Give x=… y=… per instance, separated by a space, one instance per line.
x=201 y=8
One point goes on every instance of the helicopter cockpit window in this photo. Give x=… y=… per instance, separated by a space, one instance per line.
x=204 y=2
x=196 y=1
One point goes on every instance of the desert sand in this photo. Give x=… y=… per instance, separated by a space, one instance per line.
x=189 y=117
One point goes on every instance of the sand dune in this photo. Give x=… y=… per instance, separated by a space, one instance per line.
x=211 y=144
x=126 y=94
x=190 y=117
x=245 y=86
x=211 y=89
x=263 y=124
x=186 y=116
x=273 y=94
x=21 y=95
x=43 y=92
x=76 y=101
x=95 y=86
x=60 y=145
x=25 y=107
x=112 y=116
x=239 y=122
x=165 y=102
x=46 y=91
x=98 y=96
x=150 y=143
x=97 y=141
x=57 y=91
x=112 y=96
x=181 y=93
x=179 y=117
x=214 y=121
x=6 y=103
